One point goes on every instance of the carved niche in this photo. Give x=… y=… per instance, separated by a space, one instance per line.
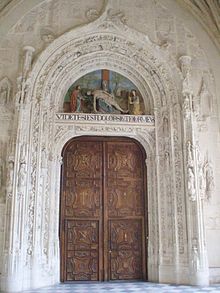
x=5 y=92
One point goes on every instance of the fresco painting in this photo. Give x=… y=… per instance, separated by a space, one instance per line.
x=104 y=91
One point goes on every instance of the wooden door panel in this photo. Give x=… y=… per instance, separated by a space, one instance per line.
x=125 y=210
x=102 y=210
x=126 y=265
x=81 y=211
x=126 y=249
x=124 y=180
x=125 y=200
x=84 y=160
x=83 y=198
x=82 y=266
x=125 y=234
x=123 y=160
x=82 y=235
x=82 y=239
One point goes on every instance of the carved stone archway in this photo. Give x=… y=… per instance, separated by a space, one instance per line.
x=32 y=257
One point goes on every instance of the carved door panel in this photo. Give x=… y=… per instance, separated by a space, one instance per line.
x=124 y=181
x=81 y=212
x=82 y=250
x=124 y=190
x=102 y=226
x=125 y=241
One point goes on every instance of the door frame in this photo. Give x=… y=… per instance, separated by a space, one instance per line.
x=145 y=216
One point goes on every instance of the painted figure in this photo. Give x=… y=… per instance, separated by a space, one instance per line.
x=134 y=103
x=105 y=85
x=105 y=92
x=75 y=100
x=107 y=98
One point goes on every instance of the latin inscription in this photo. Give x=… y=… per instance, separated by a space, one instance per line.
x=145 y=119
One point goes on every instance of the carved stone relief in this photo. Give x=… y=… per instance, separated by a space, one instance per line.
x=205 y=177
x=92 y=14
x=209 y=179
x=10 y=177
x=3 y=171
x=195 y=257
x=79 y=129
x=185 y=62
x=22 y=178
x=203 y=104
x=47 y=35
x=194 y=184
x=191 y=179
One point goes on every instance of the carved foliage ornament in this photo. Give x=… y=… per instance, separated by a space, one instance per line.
x=185 y=63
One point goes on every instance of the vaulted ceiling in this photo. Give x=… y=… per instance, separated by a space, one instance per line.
x=207 y=12
x=4 y=3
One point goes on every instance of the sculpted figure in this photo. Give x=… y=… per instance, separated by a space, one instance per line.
x=189 y=154
x=5 y=91
x=10 y=175
x=43 y=158
x=209 y=178
x=165 y=126
x=22 y=176
x=167 y=161
x=195 y=259
x=205 y=100
x=187 y=93
x=191 y=184
x=3 y=96
x=22 y=89
x=134 y=103
x=186 y=107
x=202 y=181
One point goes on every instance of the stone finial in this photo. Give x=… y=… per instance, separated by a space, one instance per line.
x=28 y=51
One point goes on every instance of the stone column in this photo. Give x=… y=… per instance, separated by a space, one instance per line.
x=17 y=187
x=198 y=264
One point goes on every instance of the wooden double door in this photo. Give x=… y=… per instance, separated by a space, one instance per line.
x=102 y=221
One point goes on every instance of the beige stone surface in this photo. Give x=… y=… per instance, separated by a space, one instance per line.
x=174 y=60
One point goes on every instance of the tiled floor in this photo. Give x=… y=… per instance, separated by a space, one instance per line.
x=137 y=287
